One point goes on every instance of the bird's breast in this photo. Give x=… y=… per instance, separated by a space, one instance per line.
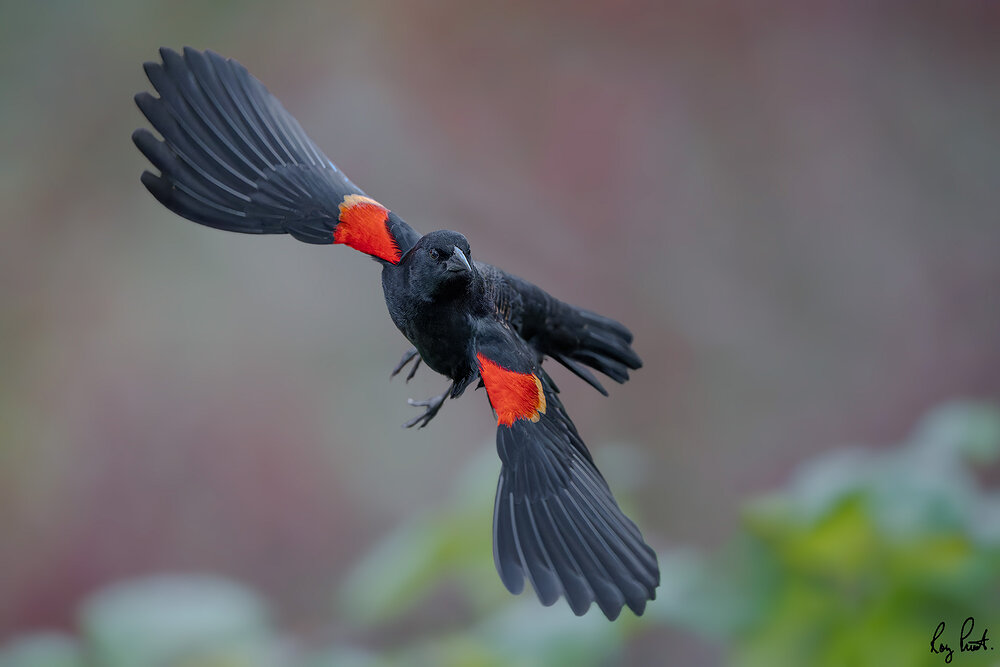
x=443 y=337
x=441 y=329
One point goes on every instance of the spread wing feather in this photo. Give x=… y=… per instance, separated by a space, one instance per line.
x=233 y=158
x=557 y=524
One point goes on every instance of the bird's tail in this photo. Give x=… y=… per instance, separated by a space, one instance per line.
x=575 y=337
x=600 y=343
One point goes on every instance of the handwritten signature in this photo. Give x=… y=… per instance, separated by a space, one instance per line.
x=964 y=641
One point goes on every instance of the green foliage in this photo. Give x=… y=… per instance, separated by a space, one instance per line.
x=47 y=649
x=174 y=620
x=861 y=556
x=166 y=620
x=854 y=562
x=416 y=558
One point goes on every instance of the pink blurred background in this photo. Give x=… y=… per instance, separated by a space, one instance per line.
x=793 y=208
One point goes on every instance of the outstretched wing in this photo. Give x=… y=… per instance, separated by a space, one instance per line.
x=233 y=158
x=555 y=520
x=575 y=337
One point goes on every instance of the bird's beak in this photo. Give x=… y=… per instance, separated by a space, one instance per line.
x=458 y=261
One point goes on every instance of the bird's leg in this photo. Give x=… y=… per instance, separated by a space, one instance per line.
x=432 y=404
x=408 y=356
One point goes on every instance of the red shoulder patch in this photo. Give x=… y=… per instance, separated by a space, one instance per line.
x=363 y=226
x=513 y=395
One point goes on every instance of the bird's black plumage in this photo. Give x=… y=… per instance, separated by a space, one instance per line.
x=232 y=158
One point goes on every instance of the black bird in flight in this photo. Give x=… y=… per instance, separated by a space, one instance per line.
x=232 y=158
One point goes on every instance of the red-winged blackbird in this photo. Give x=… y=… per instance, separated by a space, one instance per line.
x=234 y=159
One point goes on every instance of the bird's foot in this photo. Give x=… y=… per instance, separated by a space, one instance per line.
x=408 y=356
x=432 y=404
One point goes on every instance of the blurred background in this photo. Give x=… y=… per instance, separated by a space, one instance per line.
x=794 y=209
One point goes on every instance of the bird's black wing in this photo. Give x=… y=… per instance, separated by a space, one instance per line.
x=555 y=520
x=575 y=337
x=233 y=158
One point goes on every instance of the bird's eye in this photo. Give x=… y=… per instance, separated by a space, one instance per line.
x=434 y=253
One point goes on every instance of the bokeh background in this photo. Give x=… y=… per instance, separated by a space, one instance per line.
x=794 y=208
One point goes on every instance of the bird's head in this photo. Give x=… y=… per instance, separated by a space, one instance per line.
x=441 y=261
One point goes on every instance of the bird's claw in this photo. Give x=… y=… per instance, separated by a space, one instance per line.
x=433 y=405
x=408 y=356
